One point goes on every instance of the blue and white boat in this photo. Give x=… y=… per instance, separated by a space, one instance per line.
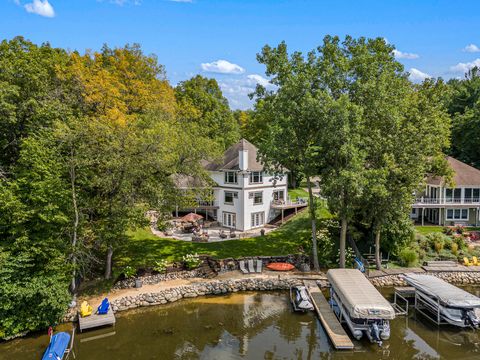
x=58 y=347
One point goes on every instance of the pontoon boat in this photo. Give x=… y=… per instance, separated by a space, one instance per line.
x=443 y=303
x=358 y=303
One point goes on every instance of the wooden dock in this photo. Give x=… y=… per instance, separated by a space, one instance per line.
x=95 y=320
x=332 y=326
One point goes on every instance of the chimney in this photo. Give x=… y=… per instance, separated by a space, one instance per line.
x=243 y=159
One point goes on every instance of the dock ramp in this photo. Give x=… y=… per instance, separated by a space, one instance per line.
x=332 y=326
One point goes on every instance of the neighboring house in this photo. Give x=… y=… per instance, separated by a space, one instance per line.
x=442 y=205
x=245 y=195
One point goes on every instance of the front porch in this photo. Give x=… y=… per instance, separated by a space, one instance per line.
x=448 y=215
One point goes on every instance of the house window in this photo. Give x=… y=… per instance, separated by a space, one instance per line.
x=257 y=197
x=472 y=195
x=457 y=214
x=229 y=196
x=453 y=195
x=279 y=195
x=229 y=219
x=257 y=219
x=230 y=177
x=256 y=177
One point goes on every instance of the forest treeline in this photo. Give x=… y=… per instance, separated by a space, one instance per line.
x=92 y=141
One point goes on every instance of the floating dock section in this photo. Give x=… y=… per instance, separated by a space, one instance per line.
x=332 y=326
x=95 y=320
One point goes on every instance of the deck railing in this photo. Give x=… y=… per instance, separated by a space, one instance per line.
x=290 y=202
x=452 y=201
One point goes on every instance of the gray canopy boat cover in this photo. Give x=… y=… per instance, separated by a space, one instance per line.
x=361 y=299
x=446 y=293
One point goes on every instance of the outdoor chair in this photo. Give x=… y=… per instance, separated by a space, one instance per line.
x=259 y=266
x=241 y=264
x=250 y=266
x=475 y=261
x=467 y=262
x=103 y=308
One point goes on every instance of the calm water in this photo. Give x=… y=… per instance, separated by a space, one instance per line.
x=246 y=326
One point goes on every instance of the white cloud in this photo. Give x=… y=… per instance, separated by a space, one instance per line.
x=259 y=80
x=471 y=48
x=464 y=67
x=417 y=75
x=403 y=55
x=40 y=7
x=236 y=89
x=222 y=67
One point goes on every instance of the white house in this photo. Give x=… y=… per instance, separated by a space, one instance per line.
x=443 y=205
x=246 y=196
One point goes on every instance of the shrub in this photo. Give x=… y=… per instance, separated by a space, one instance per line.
x=129 y=272
x=160 y=266
x=408 y=257
x=460 y=241
x=447 y=230
x=438 y=246
x=454 y=248
x=349 y=256
x=191 y=261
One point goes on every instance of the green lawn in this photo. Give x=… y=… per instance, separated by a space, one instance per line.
x=298 y=192
x=428 y=229
x=436 y=228
x=144 y=248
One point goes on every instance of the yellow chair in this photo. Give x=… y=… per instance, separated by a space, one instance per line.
x=85 y=309
x=475 y=261
x=467 y=262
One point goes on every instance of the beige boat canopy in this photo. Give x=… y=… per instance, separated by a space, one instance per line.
x=361 y=299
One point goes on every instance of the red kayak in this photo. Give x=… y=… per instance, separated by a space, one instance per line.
x=280 y=266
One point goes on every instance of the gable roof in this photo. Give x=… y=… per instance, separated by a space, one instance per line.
x=231 y=161
x=464 y=174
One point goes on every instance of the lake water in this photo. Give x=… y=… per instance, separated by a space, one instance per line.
x=246 y=326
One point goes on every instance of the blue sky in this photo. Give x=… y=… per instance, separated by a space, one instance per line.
x=430 y=35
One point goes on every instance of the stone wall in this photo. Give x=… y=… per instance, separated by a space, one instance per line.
x=230 y=264
x=156 y=278
x=453 y=277
x=215 y=287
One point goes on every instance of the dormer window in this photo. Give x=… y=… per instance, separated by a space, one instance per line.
x=256 y=177
x=230 y=177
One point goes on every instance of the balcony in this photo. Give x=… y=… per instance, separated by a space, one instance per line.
x=426 y=202
x=289 y=204
x=201 y=204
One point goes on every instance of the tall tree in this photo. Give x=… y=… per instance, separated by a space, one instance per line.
x=296 y=113
x=464 y=107
x=201 y=101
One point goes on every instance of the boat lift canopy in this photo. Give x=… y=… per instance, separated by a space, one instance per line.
x=446 y=293
x=361 y=299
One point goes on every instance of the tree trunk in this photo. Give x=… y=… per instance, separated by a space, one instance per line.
x=293 y=180
x=378 y=260
x=108 y=264
x=343 y=240
x=75 y=224
x=311 y=205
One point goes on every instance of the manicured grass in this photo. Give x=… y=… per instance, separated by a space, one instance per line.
x=298 y=192
x=428 y=229
x=433 y=229
x=144 y=248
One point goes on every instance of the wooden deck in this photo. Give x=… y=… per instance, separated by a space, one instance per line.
x=95 y=320
x=332 y=326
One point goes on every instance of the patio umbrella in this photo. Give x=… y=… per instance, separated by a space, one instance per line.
x=192 y=217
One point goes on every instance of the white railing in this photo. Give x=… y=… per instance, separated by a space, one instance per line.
x=290 y=202
x=452 y=201
x=207 y=203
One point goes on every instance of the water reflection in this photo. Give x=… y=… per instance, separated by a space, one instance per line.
x=246 y=326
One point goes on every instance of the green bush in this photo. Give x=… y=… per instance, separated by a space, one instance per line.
x=191 y=261
x=408 y=257
x=129 y=272
x=438 y=246
x=160 y=266
x=454 y=248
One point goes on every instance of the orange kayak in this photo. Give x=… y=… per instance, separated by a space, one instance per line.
x=280 y=266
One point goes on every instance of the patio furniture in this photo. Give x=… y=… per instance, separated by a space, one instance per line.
x=222 y=234
x=250 y=266
x=241 y=264
x=232 y=233
x=259 y=266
